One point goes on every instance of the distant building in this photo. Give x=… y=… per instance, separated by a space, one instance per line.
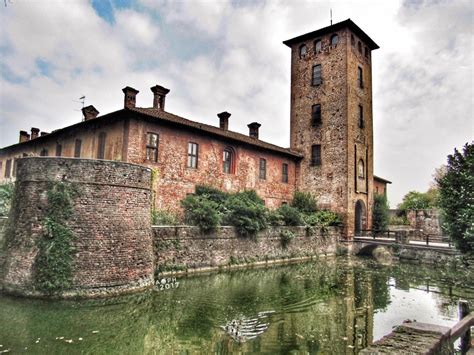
x=331 y=136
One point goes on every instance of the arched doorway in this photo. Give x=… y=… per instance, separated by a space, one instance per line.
x=360 y=217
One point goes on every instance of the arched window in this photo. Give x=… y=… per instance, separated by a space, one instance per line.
x=334 y=39
x=228 y=160
x=303 y=51
x=317 y=46
x=359 y=47
x=360 y=169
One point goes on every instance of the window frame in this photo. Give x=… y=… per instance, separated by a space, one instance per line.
x=77 y=148
x=360 y=77
x=262 y=169
x=335 y=36
x=300 y=51
x=316 y=115
x=8 y=168
x=193 y=157
x=317 y=75
x=284 y=173
x=316 y=159
x=152 y=148
x=359 y=47
x=101 y=145
x=361 y=122
x=316 y=43
x=228 y=165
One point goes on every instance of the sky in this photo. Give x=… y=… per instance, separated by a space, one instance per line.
x=227 y=55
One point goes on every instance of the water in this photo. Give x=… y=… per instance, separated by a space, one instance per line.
x=328 y=307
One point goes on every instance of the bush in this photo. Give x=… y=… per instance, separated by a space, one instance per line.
x=212 y=194
x=201 y=212
x=286 y=237
x=290 y=216
x=6 y=195
x=247 y=212
x=164 y=218
x=322 y=218
x=274 y=218
x=304 y=202
x=399 y=221
x=380 y=214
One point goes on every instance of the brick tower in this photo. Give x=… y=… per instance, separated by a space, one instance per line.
x=331 y=119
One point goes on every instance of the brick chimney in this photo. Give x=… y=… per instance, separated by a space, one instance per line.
x=89 y=112
x=130 y=95
x=253 y=129
x=224 y=120
x=34 y=132
x=159 y=95
x=24 y=136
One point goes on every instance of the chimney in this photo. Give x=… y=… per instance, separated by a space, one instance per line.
x=224 y=120
x=253 y=129
x=89 y=112
x=24 y=136
x=34 y=132
x=159 y=95
x=130 y=95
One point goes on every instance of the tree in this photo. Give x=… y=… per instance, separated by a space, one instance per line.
x=456 y=198
x=380 y=214
x=415 y=200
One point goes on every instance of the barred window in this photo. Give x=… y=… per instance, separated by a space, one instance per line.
x=262 y=169
x=152 y=147
x=284 y=173
x=77 y=148
x=316 y=115
x=316 y=154
x=317 y=77
x=192 y=155
x=101 y=145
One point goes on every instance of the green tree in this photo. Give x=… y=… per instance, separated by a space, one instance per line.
x=415 y=200
x=456 y=198
x=6 y=194
x=380 y=216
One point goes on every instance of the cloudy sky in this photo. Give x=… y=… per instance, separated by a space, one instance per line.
x=218 y=55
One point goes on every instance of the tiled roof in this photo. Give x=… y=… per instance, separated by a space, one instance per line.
x=171 y=118
x=382 y=180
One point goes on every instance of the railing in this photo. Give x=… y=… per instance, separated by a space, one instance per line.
x=463 y=328
x=404 y=237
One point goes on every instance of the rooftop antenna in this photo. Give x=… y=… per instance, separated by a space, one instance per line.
x=82 y=101
x=330 y=14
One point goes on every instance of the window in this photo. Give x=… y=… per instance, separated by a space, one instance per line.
x=360 y=78
x=366 y=52
x=360 y=169
x=262 y=171
x=101 y=145
x=361 y=116
x=77 y=148
x=15 y=164
x=284 y=203
x=316 y=115
x=303 y=51
x=334 y=39
x=8 y=168
x=59 y=150
x=192 y=155
x=228 y=160
x=359 y=47
x=317 y=79
x=284 y=173
x=316 y=154
x=352 y=40
x=317 y=46
x=44 y=152
x=152 y=147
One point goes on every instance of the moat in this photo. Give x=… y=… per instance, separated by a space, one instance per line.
x=329 y=306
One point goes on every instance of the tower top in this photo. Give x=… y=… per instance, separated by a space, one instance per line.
x=337 y=26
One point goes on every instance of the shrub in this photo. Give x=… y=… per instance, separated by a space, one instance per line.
x=304 y=202
x=211 y=194
x=399 y=221
x=286 y=237
x=323 y=218
x=290 y=216
x=246 y=212
x=164 y=218
x=6 y=195
x=274 y=218
x=380 y=214
x=201 y=212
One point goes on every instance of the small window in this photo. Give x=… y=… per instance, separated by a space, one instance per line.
x=334 y=39
x=8 y=168
x=77 y=148
x=366 y=52
x=192 y=155
x=262 y=169
x=15 y=165
x=361 y=117
x=152 y=147
x=303 y=51
x=352 y=40
x=317 y=77
x=284 y=173
x=359 y=47
x=228 y=160
x=360 y=78
x=316 y=154
x=59 y=150
x=317 y=46
x=360 y=169
x=44 y=152
x=316 y=115
x=101 y=145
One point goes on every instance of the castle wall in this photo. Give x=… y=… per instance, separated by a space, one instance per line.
x=110 y=222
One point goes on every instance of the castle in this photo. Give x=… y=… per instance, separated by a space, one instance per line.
x=331 y=136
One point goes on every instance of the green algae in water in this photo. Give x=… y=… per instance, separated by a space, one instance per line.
x=331 y=307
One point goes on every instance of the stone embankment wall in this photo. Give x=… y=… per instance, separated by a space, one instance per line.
x=180 y=248
x=110 y=222
x=425 y=220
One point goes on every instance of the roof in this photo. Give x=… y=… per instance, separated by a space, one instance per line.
x=382 y=180
x=216 y=131
x=337 y=26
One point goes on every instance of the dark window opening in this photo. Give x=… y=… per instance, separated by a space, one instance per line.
x=334 y=39
x=44 y=152
x=303 y=51
x=284 y=173
x=152 y=147
x=192 y=155
x=359 y=47
x=316 y=115
x=284 y=203
x=317 y=46
x=360 y=77
x=59 y=150
x=352 y=40
x=316 y=154
x=228 y=160
x=8 y=167
x=101 y=145
x=262 y=169
x=77 y=148
x=317 y=77
x=366 y=52
x=361 y=117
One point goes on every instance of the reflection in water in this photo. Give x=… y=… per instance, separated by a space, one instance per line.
x=331 y=307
